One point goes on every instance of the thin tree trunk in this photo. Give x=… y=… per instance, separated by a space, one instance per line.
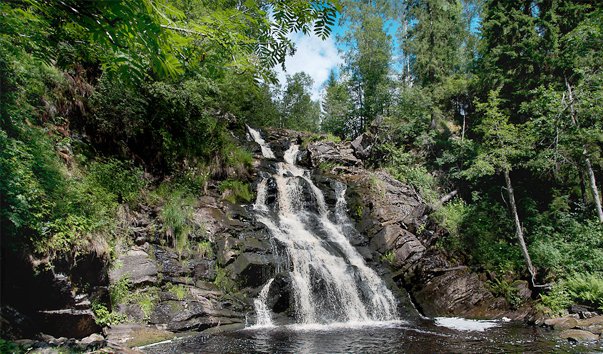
x=464 y=125
x=589 y=168
x=593 y=186
x=518 y=229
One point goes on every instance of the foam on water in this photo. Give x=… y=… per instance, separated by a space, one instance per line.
x=463 y=324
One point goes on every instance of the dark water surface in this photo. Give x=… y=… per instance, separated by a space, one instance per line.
x=423 y=337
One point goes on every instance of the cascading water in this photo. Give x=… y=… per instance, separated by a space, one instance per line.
x=329 y=279
x=264 y=319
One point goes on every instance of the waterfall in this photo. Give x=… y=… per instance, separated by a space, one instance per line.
x=266 y=151
x=330 y=280
x=264 y=319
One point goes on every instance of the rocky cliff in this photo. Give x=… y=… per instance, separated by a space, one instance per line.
x=159 y=290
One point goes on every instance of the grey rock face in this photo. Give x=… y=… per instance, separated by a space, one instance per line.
x=340 y=154
x=251 y=269
x=137 y=266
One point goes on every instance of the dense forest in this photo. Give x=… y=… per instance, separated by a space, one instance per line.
x=491 y=110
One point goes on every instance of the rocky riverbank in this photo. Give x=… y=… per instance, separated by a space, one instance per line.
x=158 y=290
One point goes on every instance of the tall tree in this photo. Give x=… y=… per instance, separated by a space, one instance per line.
x=434 y=42
x=501 y=149
x=367 y=63
x=298 y=110
x=336 y=108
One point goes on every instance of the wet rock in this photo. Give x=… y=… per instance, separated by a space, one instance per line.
x=362 y=145
x=453 y=293
x=593 y=324
x=137 y=266
x=195 y=315
x=523 y=289
x=228 y=248
x=561 y=323
x=68 y=322
x=255 y=245
x=279 y=297
x=15 y=324
x=577 y=335
x=211 y=217
x=204 y=270
x=251 y=269
x=365 y=252
x=583 y=311
x=132 y=335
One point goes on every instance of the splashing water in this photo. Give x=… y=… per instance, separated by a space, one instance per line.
x=330 y=281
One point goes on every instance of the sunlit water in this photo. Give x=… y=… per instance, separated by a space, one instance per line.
x=384 y=337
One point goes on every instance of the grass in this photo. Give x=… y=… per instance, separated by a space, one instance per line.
x=235 y=191
x=179 y=291
x=204 y=249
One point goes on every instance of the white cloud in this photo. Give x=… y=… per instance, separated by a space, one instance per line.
x=315 y=57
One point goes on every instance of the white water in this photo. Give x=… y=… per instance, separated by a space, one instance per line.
x=264 y=318
x=331 y=283
x=462 y=324
x=266 y=151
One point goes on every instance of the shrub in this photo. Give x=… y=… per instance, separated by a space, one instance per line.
x=104 y=317
x=404 y=167
x=586 y=289
x=557 y=300
x=120 y=291
x=389 y=257
x=205 y=250
x=451 y=216
x=118 y=177
x=147 y=301
x=179 y=291
x=506 y=289
x=565 y=244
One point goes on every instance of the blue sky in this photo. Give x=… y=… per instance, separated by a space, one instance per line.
x=315 y=56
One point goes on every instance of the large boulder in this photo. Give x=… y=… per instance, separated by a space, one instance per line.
x=251 y=269
x=137 y=266
x=68 y=323
x=453 y=293
x=578 y=335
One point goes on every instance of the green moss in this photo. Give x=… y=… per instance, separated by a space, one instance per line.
x=389 y=257
x=223 y=281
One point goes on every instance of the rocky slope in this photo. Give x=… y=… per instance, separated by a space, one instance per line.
x=160 y=290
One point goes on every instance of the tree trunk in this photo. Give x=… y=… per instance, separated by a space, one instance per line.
x=593 y=186
x=518 y=229
x=589 y=168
